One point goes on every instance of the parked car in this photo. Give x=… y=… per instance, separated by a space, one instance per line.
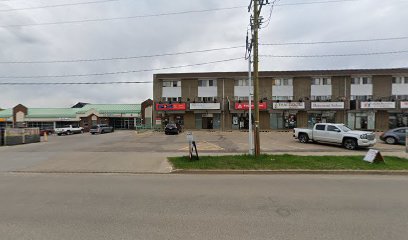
x=68 y=130
x=101 y=129
x=48 y=131
x=336 y=134
x=394 y=136
x=172 y=128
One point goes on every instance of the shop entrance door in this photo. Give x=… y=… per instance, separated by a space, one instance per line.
x=362 y=122
x=208 y=122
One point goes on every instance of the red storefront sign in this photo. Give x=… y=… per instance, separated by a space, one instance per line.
x=245 y=106
x=170 y=106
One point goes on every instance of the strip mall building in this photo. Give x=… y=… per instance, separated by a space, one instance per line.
x=373 y=99
x=120 y=116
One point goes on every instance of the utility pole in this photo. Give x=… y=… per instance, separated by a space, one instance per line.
x=256 y=79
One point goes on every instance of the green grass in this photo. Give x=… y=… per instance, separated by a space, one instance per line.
x=280 y=162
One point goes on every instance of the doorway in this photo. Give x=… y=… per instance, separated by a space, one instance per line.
x=208 y=123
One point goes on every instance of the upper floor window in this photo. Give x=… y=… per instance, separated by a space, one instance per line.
x=321 y=81
x=282 y=98
x=361 y=97
x=283 y=82
x=242 y=82
x=400 y=80
x=174 y=83
x=207 y=99
x=171 y=99
x=321 y=98
x=207 y=83
x=361 y=80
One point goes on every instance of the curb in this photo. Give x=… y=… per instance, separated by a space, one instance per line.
x=87 y=172
x=310 y=172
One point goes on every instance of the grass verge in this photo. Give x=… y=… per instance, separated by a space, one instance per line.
x=282 y=162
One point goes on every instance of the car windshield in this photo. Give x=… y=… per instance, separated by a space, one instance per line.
x=171 y=125
x=94 y=127
x=344 y=128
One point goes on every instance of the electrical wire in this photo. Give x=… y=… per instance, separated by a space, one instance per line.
x=336 y=41
x=335 y=55
x=199 y=51
x=56 y=5
x=121 y=18
x=119 y=72
x=160 y=14
x=120 y=58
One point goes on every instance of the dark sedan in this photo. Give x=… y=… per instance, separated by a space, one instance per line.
x=172 y=128
x=394 y=136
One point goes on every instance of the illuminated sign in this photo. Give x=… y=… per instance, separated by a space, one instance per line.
x=170 y=106
x=245 y=106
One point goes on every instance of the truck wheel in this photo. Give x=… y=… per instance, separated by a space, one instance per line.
x=390 y=140
x=68 y=132
x=303 y=138
x=350 y=144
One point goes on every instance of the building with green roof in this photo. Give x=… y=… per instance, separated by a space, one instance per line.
x=120 y=116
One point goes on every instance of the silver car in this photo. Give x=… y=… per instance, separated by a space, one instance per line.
x=101 y=128
x=394 y=136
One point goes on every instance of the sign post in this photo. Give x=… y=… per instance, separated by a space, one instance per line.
x=191 y=146
x=406 y=141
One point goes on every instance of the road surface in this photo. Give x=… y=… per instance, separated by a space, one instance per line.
x=102 y=206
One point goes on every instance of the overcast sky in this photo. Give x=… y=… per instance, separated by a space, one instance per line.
x=362 y=19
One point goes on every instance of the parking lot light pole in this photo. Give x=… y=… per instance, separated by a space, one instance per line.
x=250 y=136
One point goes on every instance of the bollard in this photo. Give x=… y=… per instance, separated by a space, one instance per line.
x=45 y=136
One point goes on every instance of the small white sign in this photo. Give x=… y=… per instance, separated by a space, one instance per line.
x=404 y=105
x=190 y=137
x=371 y=155
x=327 y=105
x=206 y=106
x=288 y=105
x=376 y=105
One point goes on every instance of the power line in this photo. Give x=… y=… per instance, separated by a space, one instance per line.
x=198 y=51
x=315 y=2
x=161 y=14
x=337 y=41
x=56 y=5
x=120 y=58
x=73 y=83
x=119 y=72
x=122 y=18
x=336 y=55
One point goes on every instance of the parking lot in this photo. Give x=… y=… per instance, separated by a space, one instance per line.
x=129 y=151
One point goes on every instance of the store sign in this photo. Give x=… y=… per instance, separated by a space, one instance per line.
x=327 y=105
x=375 y=105
x=2 y=119
x=170 y=106
x=245 y=106
x=158 y=121
x=288 y=105
x=404 y=105
x=207 y=106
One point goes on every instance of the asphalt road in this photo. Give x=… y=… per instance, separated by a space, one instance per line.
x=51 y=206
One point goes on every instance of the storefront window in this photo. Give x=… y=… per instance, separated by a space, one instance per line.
x=285 y=120
x=323 y=117
x=398 y=120
x=362 y=120
x=241 y=121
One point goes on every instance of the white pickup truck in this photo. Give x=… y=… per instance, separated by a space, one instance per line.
x=68 y=130
x=337 y=134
